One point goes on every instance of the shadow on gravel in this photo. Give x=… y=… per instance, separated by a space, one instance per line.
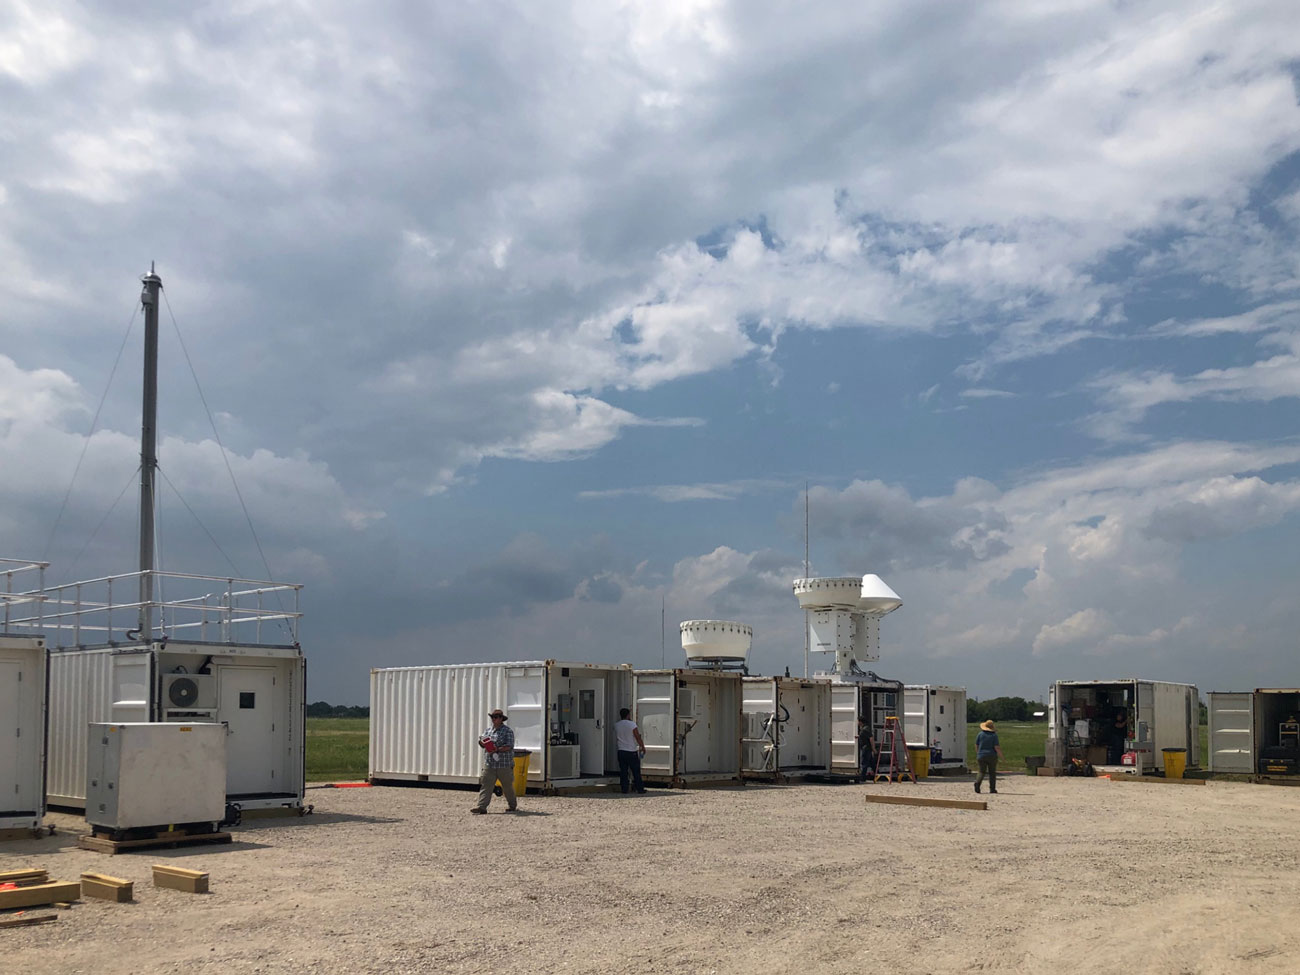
x=315 y=819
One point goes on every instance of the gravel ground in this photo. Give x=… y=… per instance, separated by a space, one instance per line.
x=1059 y=875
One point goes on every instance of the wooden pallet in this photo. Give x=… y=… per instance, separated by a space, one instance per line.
x=102 y=844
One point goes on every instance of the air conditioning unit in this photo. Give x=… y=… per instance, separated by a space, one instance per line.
x=565 y=762
x=151 y=774
x=756 y=724
x=189 y=692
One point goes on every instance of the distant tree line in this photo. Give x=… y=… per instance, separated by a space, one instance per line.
x=1003 y=709
x=322 y=710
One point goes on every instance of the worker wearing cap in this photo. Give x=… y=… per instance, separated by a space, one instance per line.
x=498 y=744
x=987 y=752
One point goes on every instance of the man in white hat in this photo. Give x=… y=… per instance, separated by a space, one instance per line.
x=498 y=744
x=987 y=753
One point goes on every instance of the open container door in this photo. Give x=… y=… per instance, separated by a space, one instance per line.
x=760 y=733
x=654 y=717
x=1232 y=732
x=844 y=728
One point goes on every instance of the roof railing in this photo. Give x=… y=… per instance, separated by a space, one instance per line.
x=21 y=593
x=107 y=610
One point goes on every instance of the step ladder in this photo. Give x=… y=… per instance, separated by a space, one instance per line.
x=888 y=767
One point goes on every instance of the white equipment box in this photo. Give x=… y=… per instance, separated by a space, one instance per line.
x=148 y=774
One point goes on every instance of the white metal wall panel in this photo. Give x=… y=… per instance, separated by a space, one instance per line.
x=22 y=732
x=81 y=692
x=1232 y=732
x=916 y=715
x=758 y=705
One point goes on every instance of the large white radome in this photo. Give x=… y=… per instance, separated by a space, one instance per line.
x=716 y=639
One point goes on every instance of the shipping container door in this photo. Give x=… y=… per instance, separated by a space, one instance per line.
x=133 y=679
x=844 y=727
x=654 y=717
x=19 y=739
x=247 y=707
x=526 y=707
x=1146 y=714
x=759 y=731
x=916 y=721
x=589 y=709
x=1232 y=731
x=696 y=700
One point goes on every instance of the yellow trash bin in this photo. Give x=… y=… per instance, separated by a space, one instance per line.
x=920 y=761
x=521 y=770
x=1175 y=762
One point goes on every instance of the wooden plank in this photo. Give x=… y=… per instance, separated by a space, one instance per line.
x=178 y=878
x=18 y=922
x=1045 y=770
x=102 y=844
x=923 y=801
x=1155 y=778
x=106 y=888
x=48 y=893
x=24 y=877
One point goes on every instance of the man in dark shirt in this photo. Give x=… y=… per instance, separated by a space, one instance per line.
x=987 y=753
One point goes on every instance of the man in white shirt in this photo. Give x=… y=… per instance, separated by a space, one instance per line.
x=630 y=750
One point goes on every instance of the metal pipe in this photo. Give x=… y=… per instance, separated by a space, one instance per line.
x=148 y=447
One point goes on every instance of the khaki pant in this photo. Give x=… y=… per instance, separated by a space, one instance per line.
x=487 y=782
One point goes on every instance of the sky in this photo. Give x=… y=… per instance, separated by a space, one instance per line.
x=522 y=330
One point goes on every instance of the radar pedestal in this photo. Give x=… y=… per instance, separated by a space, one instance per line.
x=843 y=616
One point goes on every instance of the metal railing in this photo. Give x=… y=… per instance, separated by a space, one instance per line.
x=108 y=610
x=22 y=594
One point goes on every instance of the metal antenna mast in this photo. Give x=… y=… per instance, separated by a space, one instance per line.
x=148 y=447
x=805 y=572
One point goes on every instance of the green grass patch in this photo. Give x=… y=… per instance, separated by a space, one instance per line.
x=337 y=748
x=1021 y=738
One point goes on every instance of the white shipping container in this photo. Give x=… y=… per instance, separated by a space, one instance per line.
x=425 y=722
x=257 y=692
x=22 y=732
x=1255 y=732
x=785 y=727
x=145 y=775
x=1161 y=715
x=690 y=723
x=934 y=717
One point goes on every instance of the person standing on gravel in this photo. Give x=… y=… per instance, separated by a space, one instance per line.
x=630 y=750
x=987 y=753
x=498 y=744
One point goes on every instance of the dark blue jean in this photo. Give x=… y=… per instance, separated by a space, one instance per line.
x=630 y=761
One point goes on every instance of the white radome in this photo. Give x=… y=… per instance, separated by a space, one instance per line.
x=716 y=639
x=877 y=599
x=838 y=592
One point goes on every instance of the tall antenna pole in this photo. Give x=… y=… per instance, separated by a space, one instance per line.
x=148 y=447
x=663 y=630
x=805 y=574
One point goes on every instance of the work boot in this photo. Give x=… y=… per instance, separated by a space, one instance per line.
x=993 y=792
x=478 y=812
x=977 y=787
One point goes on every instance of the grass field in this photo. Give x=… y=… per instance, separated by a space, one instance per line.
x=1021 y=738
x=337 y=748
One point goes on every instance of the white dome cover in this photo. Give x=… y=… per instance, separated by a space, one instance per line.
x=877 y=599
x=716 y=639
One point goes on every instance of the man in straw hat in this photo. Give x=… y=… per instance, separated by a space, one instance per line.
x=987 y=753
x=498 y=744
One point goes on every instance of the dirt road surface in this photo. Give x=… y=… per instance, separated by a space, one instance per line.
x=1058 y=875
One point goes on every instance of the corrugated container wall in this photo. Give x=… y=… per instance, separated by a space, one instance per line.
x=22 y=732
x=425 y=721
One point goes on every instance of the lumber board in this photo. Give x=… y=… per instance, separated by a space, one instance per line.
x=37 y=894
x=1156 y=778
x=18 y=922
x=925 y=801
x=24 y=877
x=179 y=878
x=102 y=844
x=106 y=888
x=1045 y=770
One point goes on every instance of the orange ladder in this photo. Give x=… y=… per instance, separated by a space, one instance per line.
x=892 y=742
